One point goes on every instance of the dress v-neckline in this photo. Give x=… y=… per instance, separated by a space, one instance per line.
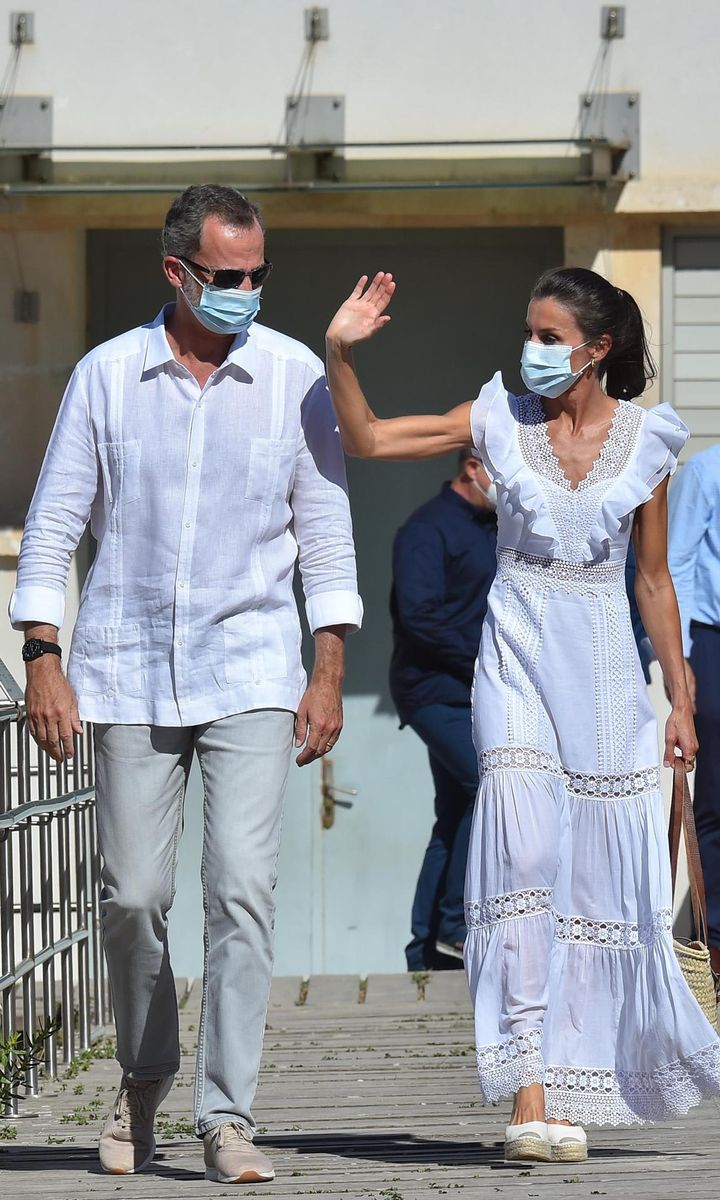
x=558 y=472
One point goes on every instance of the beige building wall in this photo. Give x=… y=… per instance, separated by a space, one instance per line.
x=35 y=364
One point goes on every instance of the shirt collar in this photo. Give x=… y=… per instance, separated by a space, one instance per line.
x=158 y=350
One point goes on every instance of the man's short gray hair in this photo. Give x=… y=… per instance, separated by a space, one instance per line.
x=185 y=218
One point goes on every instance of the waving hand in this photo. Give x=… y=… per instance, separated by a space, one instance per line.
x=363 y=313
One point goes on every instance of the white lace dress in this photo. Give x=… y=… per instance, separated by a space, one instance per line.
x=569 y=949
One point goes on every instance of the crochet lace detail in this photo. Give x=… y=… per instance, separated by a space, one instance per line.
x=593 y=1095
x=517 y=758
x=557 y=574
x=620 y=935
x=613 y=787
x=511 y=1064
x=593 y=786
x=492 y=909
x=617 y=935
x=596 y=1095
x=537 y=448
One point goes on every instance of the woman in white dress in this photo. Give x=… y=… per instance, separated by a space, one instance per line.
x=581 y=1011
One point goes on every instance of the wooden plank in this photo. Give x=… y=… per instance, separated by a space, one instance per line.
x=284 y=991
x=376 y=1100
x=329 y=991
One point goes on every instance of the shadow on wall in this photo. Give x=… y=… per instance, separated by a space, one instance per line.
x=457 y=317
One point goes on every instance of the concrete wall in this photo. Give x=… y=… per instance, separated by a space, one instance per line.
x=176 y=70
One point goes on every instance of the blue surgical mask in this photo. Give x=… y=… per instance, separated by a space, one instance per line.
x=546 y=370
x=225 y=310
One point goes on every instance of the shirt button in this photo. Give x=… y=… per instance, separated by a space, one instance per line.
x=179 y=642
x=194 y=464
x=187 y=524
x=181 y=584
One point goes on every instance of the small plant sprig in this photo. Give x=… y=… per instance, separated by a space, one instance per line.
x=19 y=1055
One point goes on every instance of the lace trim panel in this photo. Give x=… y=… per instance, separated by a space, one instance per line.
x=517 y=758
x=532 y=902
x=556 y=574
x=613 y=457
x=590 y=786
x=613 y=787
x=594 y=1095
x=509 y=1065
x=597 y=1096
x=491 y=910
x=619 y=935
x=574 y=510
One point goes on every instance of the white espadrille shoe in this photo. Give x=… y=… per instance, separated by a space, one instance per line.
x=528 y=1142
x=568 y=1143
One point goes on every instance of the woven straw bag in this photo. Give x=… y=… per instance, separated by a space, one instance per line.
x=693 y=957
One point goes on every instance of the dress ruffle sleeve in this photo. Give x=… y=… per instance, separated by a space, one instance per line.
x=528 y=523
x=662 y=437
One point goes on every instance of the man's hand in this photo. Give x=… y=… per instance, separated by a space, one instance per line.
x=319 y=720
x=52 y=710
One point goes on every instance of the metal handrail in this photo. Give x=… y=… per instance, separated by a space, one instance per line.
x=50 y=942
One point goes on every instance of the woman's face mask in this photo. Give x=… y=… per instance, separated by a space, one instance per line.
x=546 y=370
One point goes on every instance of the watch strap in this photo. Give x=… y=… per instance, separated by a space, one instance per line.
x=35 y=648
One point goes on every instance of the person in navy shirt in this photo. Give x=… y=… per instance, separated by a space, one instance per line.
x=443 y=567
x=694 y=561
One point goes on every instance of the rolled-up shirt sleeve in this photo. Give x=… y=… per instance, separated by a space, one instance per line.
x=58 y=513
x=690 y=514
x=322 y=521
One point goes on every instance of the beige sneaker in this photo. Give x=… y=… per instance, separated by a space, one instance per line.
x=230 y=1156
x=127 y=1143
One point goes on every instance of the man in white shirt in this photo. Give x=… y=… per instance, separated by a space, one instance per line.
x=203 y=449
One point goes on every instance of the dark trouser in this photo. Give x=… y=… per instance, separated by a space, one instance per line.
x=705 y=661
x=438 y=908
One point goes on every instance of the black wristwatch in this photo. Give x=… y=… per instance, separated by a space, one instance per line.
x=36 y=647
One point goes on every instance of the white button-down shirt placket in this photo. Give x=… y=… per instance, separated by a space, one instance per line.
x=182 y=665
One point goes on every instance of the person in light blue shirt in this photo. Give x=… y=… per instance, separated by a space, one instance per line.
x=694 y=560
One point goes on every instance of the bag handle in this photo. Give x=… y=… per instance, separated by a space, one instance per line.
x=683 y=817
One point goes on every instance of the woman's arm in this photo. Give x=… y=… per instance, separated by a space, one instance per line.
x=363 y=434
x=659 y=611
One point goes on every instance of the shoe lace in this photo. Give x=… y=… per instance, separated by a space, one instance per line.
x=231 y=1134
x=133 y=1106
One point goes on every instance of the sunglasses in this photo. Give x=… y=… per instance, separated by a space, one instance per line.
x=229 y=277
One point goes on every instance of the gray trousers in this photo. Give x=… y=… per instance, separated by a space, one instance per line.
x=142 y=772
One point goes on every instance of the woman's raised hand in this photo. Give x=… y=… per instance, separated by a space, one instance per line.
x=363 y=313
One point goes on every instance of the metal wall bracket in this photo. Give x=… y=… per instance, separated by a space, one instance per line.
x=611 y=121
x=26 y=122
x=314 y=122
x=612 y=21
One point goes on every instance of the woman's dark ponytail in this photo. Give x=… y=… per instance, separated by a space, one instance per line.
x=600 y=308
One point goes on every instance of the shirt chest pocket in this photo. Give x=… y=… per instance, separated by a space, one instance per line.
x=120 y=465
x=271 y=468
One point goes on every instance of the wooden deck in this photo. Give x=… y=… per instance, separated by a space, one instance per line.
x=366 y=1091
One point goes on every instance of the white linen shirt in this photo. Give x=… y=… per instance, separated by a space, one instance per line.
x=200 y=500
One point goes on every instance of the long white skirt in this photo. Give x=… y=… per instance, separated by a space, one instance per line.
x=569 y=950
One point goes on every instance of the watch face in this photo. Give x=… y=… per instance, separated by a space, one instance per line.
x=32 y=649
